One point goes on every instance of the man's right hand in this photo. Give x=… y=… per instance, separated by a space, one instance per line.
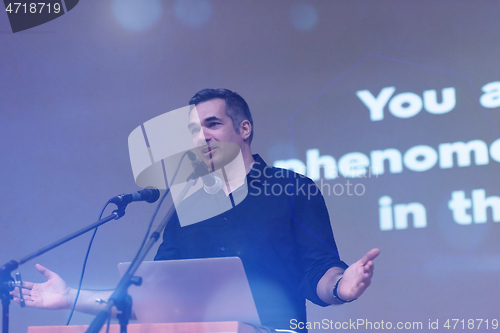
x=53 y=294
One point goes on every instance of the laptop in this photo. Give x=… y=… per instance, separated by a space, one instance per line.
x=194 y=290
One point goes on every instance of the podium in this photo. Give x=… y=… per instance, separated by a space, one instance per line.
x=208 y=327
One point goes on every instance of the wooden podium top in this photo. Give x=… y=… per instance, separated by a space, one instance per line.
x=213 y=327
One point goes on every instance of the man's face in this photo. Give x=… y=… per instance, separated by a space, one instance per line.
x=213 y=133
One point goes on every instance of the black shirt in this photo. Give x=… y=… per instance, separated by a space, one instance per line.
x=280 y=230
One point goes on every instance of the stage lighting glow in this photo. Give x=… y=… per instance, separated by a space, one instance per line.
x=303 y=16
x=194 y=13
x=137 y=15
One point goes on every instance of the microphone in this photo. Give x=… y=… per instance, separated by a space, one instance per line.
x=149 y=194
x=211 y=183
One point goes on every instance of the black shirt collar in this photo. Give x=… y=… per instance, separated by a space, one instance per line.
x=258 y=166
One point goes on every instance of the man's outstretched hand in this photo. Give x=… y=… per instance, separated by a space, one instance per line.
x=53 y=294
x=357 y=277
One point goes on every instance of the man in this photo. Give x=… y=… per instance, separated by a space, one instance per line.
x=285 y=240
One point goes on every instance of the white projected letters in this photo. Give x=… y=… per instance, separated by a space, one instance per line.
x=385 y=213
x=495 y=150
x=315 y=162
x=431 y=101
x=491 y=98
x=392 y=155
x=459 y=205
x=463 y=151
x=353 y=165
x=376 y=105
x=405 y=105
x=408 y=104
x=419 y=158
x=401 y=214
x=480 y=205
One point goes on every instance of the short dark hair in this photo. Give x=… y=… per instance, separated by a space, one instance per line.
x=236 y=107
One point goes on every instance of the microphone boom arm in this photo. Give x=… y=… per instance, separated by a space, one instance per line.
x=120 y=297
x=6 y=280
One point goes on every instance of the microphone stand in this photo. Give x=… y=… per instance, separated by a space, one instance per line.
x=120 y=297
x=7 y=283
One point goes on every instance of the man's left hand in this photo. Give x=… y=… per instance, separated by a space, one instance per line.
x=357 y=277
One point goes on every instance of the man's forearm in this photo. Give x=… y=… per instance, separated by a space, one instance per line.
x=88 y=301
x=327 y=283
x=355 y=279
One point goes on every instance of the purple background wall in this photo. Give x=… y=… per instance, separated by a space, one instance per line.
x=73 y=89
